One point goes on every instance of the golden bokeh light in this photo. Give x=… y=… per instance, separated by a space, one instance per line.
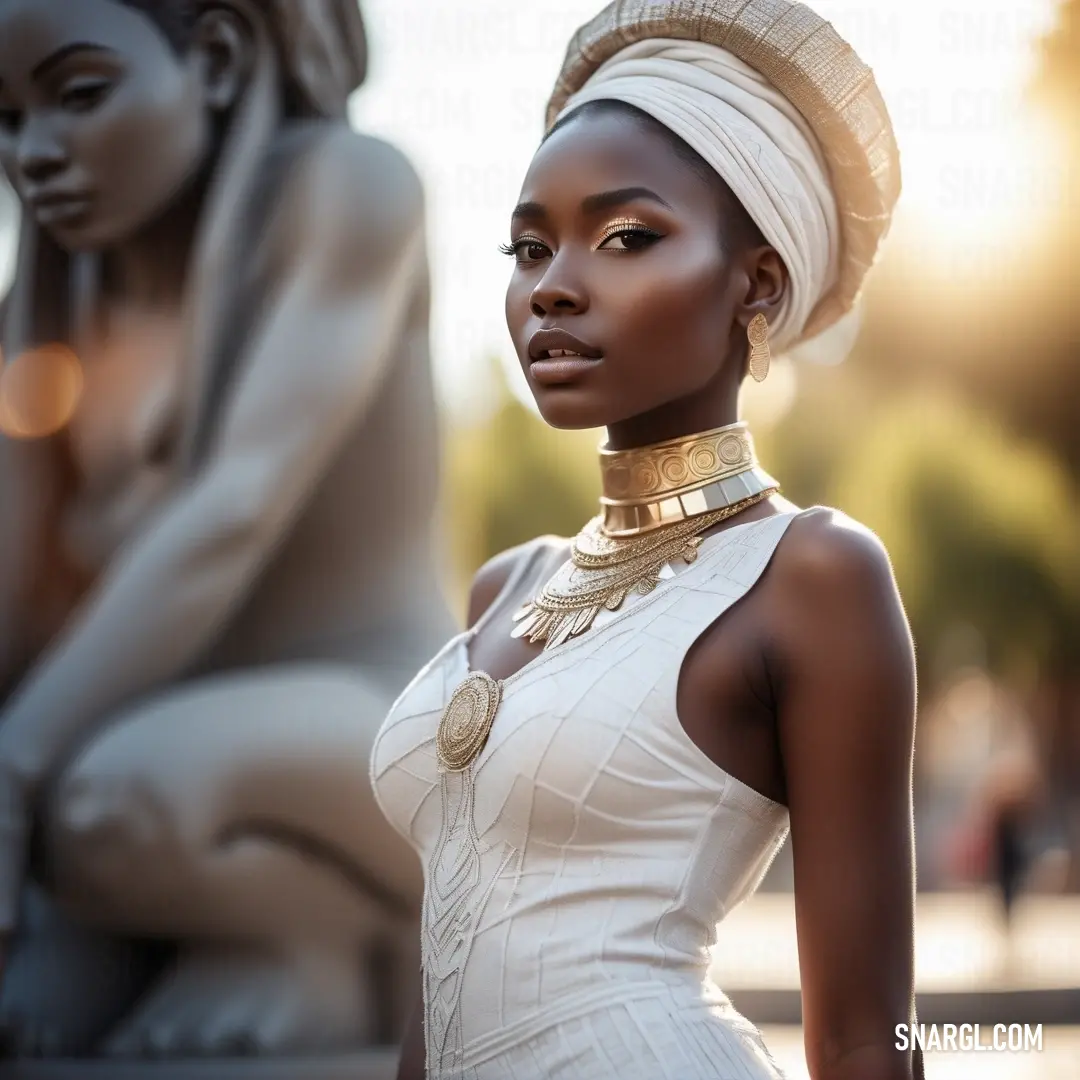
x=39 y=392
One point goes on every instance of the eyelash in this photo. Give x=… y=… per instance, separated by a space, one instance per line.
x=622 y=227
x=516 y=245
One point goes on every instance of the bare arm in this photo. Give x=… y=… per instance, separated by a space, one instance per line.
x=312 y=369
x=846 y=723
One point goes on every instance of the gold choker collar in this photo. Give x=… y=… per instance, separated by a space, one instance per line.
x=651 y=486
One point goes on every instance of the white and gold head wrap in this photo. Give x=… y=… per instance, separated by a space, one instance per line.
x=780 y=106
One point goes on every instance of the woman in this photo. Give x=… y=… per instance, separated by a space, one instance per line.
x=605 y=763
x=208 y=596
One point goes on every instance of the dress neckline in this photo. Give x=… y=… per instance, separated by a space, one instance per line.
x=458 y=648
x=460 y=645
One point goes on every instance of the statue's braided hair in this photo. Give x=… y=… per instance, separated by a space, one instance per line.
x=322 y=44
x=175 y=18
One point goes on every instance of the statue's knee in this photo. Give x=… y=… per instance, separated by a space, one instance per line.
x=104 y=827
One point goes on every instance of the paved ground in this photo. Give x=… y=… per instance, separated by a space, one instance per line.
x=959 y=945
x=1058 y=1060
x=960 y=948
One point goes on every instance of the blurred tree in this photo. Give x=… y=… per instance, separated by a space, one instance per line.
x=512 y=478
x=983 y=531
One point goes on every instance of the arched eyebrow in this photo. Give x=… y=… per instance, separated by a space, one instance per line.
x=55 y=59
x=593 y=204
x=612 y=200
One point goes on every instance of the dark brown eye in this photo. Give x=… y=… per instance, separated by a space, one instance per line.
x=526 y=250
x=10 y=119
x=636 y=239
x=532 y=251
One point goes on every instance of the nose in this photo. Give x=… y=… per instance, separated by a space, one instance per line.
x=560 y=289
x=40 y=155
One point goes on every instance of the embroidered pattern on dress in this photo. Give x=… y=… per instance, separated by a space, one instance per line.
x=452 y=911
x=596 y=736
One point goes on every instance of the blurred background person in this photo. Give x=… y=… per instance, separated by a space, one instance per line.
x=1010 y=802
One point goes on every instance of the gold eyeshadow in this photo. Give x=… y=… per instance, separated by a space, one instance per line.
x=620 y=225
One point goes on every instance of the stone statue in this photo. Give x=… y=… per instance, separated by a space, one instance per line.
x=218 y=572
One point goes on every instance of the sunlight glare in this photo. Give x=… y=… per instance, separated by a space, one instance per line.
x=981 y=170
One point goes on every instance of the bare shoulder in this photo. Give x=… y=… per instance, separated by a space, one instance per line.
x=495 y=574
x=836 y=590
x=845 y=658
x=355 y=197
x=825 y=550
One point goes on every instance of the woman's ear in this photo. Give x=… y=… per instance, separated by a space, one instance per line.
x=224 y=45
x=767 y=282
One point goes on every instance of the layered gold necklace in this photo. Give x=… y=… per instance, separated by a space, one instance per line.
x=657 y=503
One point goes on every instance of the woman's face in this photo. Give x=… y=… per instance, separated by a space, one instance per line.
x=619 y=258
x=101 y=123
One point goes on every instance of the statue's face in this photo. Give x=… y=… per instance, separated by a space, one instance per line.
x=102 y=123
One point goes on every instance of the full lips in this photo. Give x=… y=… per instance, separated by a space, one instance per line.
x=63 y=211
x=562 y=369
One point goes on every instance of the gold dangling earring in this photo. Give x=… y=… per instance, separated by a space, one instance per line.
x=760 y=356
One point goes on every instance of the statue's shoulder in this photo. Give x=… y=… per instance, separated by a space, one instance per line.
x=346 y=194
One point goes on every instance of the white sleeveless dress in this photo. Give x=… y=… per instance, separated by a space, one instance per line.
x=575 y=874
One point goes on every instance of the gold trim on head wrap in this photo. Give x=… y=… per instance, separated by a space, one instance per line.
x=804 y=57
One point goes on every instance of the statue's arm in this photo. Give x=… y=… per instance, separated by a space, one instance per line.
x=303 y=384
